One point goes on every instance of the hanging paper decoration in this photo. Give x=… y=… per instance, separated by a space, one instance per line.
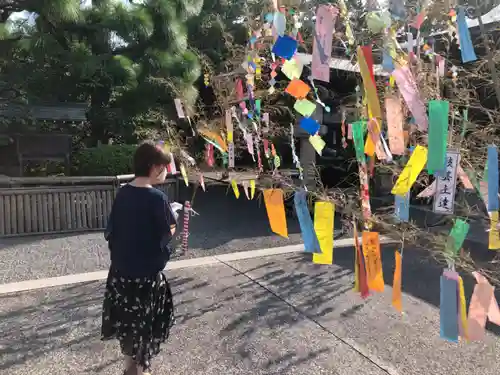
x=322 y=45
x=419 y=20
x=236 y=189
x=230 y=138
x=298 y=89
x=444 y=200
x=492 y=163
x=371 y=252
x=305 y=107
x=464 y=178
x=185 y=225
x=311 y=242
x=438 y=136
x=358 y=135
x=285 y=47
x=396 y=286
x=252 y=189
x=324 y=213
x=463 y=328
x=466 y=47
x=245 y=188
x=171 y=168
x=295 y=158
x=394 y=115
x=214 y=139
x=273 y=199
x=317 y=142
x=279 y=23
x=184 y=174
x=494 y=234
x=292 y=68
x=408 y=89
x=483 y=305
x=365 y=60
x=448 y=306
x=310 y=125
x=360 y=265
x=411 y=171
x=202 y=182
x=249 y=140
x=402 y=207
x=209 y=154
x=178 y=108
x=457 y=237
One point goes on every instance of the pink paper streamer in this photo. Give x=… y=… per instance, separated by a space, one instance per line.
x=349 y=131
x=249 y=140
x=322 y=46
x=429 y=191
x=409 y=91
x=464 y=178
x=394 y=116
x=483 y=306
x=202 y=182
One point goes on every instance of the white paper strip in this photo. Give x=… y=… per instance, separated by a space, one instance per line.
x=178 y=107
x=444 y=200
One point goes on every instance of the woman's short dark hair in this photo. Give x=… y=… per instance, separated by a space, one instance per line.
x=148 y=155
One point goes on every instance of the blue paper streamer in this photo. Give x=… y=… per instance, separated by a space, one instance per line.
x=402 y=207
x=466 y=47
x=387 y=62
x=493 y=204
x=448 y=309
x=285 y=47
x=309 y=125
x=311 y=243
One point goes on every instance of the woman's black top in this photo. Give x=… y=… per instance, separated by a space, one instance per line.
x=138 y=231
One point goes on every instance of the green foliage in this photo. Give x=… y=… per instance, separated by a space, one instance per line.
x=105 y=160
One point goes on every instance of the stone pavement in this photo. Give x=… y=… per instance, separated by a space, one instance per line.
x=268 y=315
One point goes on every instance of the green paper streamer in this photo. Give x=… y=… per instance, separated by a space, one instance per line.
x=457 y=237
x=438 y=135
x=358 y=136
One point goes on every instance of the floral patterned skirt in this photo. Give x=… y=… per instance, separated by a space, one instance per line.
x=139 y=313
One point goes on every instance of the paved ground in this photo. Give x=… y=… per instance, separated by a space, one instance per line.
x=270 y=315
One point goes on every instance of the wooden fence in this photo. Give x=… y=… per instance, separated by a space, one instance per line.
x=61 y=204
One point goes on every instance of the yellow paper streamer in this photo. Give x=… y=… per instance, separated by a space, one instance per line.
x=396 y=286
x=292 y=69
x=494 y=235
x=318 y=143
x=411 y=171
x=275 y=207
x=184 y=174
x=235 y=189
x=370 y=88
x=252 y=189
x=323 y=226
x=463 y=307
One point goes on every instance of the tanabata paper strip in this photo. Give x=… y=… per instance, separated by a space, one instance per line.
x=209 y=154
x=457 y=237
x=396 y=286
x=171 y=168
x=493 y=203
x=349 y=131
x=252 y=189
x=202 y=182
x=292 y=68
x=245 y=188
x=236 y=189
x=411 y=171
x=358 y=135
x=419 y=20
x=394 y=115
x=184 y=174
x=494 y=234
x=279 y=23
x=438 y=135
x=466 y=47
x=185 y=226
x=273 y=198
x=464 y=178
x=285 y=47
x=318 y=143
x=305 y=107
x=366 y=69
x=373 y=261
x=323 y=226
x=298 y=89
x=372 y=143
x=429 y=191
x=444 y=199
x=402 y=207
x=322 y=45
x=311 y=243
x=239 y=89
x=178 y=108
x=408 y=89
x=483 y=305
x=448 y=309
x=363 y=285
x=462 y=310
x=215 y=138
x=309 y=125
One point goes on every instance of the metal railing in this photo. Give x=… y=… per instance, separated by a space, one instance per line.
x=47 y=205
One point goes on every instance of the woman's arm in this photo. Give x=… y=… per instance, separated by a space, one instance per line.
x=165 y=218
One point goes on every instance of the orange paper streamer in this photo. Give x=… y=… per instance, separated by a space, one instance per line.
x=394 y=115
x=396 y=286
x=273 y=199
x=298 y=89
x=371 y=252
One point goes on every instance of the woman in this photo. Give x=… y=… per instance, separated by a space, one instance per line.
x=138 y=307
